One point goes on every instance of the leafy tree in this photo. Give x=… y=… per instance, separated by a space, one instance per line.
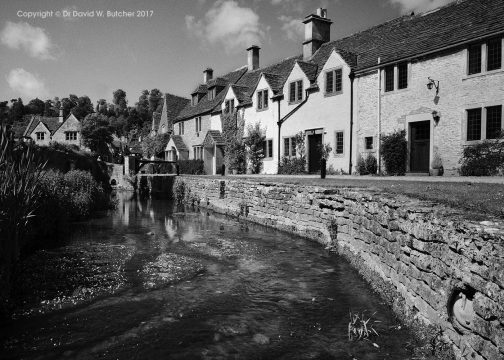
x=255 y=147
x=142 y=106
x=4 y=112
x=394 y=151
x=118 y=125
x=49 y=109
x=102 y=107
x=152 y=146
x=35 y=107
x=234 y=149
x=120 y=102
x=133 y=122
x=17 y=110
x=96 y=133
x=83 y=107
x=68 y=104
x=155 y=101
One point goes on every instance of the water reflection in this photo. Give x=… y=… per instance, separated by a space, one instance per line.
x=195 y=286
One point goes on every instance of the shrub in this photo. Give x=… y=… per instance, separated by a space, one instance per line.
x=54 y=145
x=483 y=159
x=368 y=165
x=192 y=167
x=437 y=163
x=153 y=145
x=234 y=149
x=255 y=147
x=292 y=165
x=394 y=150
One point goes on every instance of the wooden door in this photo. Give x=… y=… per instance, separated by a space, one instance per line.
x=314 y=152
x=419 y=146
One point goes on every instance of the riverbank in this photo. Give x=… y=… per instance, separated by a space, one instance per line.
x=425 y=259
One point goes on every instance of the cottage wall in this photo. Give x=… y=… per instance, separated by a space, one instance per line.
x=71 y=124
x=43 y=129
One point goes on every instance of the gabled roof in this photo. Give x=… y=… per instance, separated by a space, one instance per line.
x=172 y=106
x=179 y=143
x=205 y=106
x=51 y=123
x=217 y=82
x=213 y=137
x=409 y=36
x=200 y=89
x=19 y=127
x=310 y=69
x=240 y=92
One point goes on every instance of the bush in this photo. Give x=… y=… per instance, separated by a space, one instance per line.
x=483 y=159
x=394 y=151
x=368 y=165
x=234 y=150
x=255 y=147
x=192 y=167
x=292 y=166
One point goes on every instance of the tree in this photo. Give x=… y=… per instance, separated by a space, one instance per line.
x=96 y=133
x=155 y=101
x=49 y=109
x=68 y=104
x=120 y=102
x=142 y=106
x=16 y=112
x=35 y=107
x=255 y=147
x=102 y=107
x=83 y=107
x=234 y=149
x=133 y=122
x=4 y=112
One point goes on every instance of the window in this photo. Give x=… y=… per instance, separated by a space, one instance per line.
x=211 y=93
x=334 y=81
x=389 y=78
x=40 y=136
x=268 y=148
x=368 y=143
x=71 y=135
x=494 y=54
x=229 y=106
x=402 y=76
x=290 y=146
x=339 y=142
x=198 y=124
x=493 y=121
x=296 y=91
x=194 y=100
x=181 y=128
x=473 y=124
x=262 y=99
x=198 y=152
x=474 y=59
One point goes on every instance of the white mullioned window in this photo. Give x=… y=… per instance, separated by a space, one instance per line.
x=296 y=91
x=198 y=124
x=262 y=99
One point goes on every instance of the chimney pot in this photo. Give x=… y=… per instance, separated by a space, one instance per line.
x=207 y=75
x=253 y=57
x=317 y=32
x=60 y=118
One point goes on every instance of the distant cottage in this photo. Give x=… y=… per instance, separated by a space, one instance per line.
x=43 y=130
x=439 y=76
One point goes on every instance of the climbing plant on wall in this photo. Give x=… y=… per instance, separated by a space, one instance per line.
x=255 y=147
x=234 y=149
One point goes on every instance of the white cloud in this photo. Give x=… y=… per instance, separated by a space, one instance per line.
x=33 y=40
x=293 y=28
x=26 y=83
x=407 y=6
x=227 y=23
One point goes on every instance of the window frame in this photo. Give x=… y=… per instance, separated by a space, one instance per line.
x=336 y=153
x=389 y=71
x=289 y=151
x=229 y=106
x=181 y=128
x=194 y=100
x=483 y=109
x=334 y=82
x=366 y=148
x=498 y=41
x=405 y=66
x=262 y=99
x=198 y=124
x=487 y=121
x=70 y=135
x=298 y=91
x=268 y=149
x=198 y=152
x=40 y=135
x=212 y=93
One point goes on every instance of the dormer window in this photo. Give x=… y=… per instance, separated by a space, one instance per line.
x=194 y=100
x=181 y=128
x=211 y=93
x=296 y=91
x=262 y=99
x=334 y=81
x=229 y=106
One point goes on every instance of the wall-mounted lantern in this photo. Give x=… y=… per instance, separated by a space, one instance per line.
x=433 y=84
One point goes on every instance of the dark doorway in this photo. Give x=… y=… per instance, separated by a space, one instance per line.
x=314 y=152
x=419 y=146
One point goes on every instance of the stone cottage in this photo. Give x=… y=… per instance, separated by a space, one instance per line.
x=437 y=75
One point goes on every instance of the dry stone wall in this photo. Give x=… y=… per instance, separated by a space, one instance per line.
x=425 y=259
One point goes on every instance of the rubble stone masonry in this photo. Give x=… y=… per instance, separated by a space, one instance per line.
x=426 y=260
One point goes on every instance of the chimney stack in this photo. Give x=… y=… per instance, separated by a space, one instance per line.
x=60 y=118
x=253 y=57
x=317 y=32
x=207 y=75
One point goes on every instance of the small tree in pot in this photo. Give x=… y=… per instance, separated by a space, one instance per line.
x=437 y=165
x=325 y=151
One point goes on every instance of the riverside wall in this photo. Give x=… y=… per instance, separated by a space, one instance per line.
x=433 y=266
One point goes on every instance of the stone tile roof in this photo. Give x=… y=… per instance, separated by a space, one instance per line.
x=213 y=137
x=217 y=82
x=409 y=36
x=205 y=106
x=240 y=92
x=156 y=117
x=172 y=106
x=274 y=81
x=52 y=124
x=310 y=69
x=19 y=127
x=200 y=89
x=179 y=143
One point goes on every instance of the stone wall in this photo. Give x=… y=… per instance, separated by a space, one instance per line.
x=427 y=261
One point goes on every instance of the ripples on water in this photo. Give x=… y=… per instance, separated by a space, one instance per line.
x=145 y=282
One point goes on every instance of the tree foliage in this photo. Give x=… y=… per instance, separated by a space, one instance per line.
x=483 y=159
x=152 y=146
x=394 y=151
x=255 y=147
x=96 y=133
x=234 y=149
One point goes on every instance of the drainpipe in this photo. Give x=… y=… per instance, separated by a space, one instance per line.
x=378 y=145
x=352 y=78
x=282 y=120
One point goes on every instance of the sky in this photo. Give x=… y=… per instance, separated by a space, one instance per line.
x=53 y=48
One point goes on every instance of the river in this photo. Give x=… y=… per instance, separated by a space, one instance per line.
x=147 y=282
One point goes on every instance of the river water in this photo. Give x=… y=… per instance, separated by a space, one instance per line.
x=147 y=282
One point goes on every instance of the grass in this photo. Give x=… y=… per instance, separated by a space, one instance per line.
x=359 y=328
x=477 y=201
